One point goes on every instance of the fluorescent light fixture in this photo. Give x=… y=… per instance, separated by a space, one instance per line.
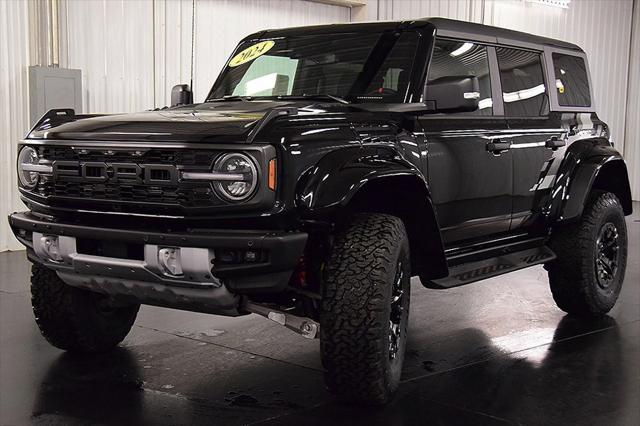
x=564 y=4
x=523 y=94
x=462 y=49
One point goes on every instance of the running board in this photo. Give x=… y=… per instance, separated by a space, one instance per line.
x=467 y=273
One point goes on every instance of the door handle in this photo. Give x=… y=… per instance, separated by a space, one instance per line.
x=498 y=146
x=554 y=143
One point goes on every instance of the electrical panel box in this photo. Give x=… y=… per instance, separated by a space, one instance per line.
x=51 y=87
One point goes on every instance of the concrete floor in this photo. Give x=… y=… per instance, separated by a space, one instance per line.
x=498 y=351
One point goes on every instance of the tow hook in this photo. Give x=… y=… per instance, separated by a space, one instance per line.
x=304 y=326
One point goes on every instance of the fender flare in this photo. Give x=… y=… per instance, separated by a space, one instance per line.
x=376 y=178
x=600 y=167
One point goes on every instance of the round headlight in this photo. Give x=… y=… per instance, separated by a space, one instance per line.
x=239 y=187
x=26 y=157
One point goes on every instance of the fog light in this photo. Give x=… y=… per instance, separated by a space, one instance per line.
x=51 y=246
x=169 y=258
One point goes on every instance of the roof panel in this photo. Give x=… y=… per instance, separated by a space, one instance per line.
x=449 y=27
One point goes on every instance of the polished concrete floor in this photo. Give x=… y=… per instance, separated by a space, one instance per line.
x=494 y=352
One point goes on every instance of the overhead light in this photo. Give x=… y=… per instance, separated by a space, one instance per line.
x=462 y=49
x=564 y=4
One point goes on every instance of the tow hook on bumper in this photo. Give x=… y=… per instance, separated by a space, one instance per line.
x=304 y=326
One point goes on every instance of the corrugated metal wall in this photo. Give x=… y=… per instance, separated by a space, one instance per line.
x=632 y=137
x=14 y=112
x=134 y=51
x=465 y=10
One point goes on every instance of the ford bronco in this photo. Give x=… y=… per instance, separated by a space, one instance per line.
x=326 y=167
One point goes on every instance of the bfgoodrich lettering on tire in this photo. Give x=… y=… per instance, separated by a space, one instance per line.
x=365 y=309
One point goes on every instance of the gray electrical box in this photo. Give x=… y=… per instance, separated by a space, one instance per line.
x=51 y=88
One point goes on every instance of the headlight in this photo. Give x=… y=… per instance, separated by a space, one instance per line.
x=242 y=176
x=27 y=167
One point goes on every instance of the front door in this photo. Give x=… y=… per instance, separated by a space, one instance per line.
x=470 y=177
x=470 y=186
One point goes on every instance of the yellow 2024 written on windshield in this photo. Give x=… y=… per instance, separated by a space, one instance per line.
x=251 y=53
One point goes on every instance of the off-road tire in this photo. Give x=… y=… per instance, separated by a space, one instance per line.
x=369 y=262
x=74 y=319
x=572 y=275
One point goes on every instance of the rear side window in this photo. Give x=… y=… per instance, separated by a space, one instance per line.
x=457 y=58
x=523 y=89
x=571 y=82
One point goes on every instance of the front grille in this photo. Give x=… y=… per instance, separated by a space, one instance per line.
x=124 y=195
x=182 y=157
x=188 y=197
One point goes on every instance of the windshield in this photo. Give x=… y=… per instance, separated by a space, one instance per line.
x=358 y=67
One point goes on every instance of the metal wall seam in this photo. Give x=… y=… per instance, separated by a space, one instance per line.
x=14 y=107
x=632 y=130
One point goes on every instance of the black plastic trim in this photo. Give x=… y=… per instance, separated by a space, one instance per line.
x=284 y=248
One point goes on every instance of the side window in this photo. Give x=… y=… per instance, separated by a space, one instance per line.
x=571 y=82
x=392 y=79
x=457 y=58
x=523 y=89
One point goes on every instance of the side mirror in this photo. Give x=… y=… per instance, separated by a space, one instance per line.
x=181 y=95
x=453 y=93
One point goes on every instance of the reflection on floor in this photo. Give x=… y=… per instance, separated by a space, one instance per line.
x=498 y=351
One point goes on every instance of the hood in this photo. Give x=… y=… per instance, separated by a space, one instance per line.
x=225 y=122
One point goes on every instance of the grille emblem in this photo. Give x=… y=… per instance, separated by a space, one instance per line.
x=99 y=172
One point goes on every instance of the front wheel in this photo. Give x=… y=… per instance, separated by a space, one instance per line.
x=586 y=278
x=74 y=319
x=365 y=309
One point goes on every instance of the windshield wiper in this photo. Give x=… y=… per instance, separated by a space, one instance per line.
x=231 y=98
x=316 y=96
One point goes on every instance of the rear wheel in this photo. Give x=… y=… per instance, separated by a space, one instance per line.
x=586 y=278
x=74 y=319
x=365 y=309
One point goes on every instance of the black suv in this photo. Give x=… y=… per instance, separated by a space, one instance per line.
x=327 y=166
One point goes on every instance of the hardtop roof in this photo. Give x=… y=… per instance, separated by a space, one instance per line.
x=444 y=26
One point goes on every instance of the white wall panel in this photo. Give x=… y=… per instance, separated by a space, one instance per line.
x=465 y=10
x=14 y=107
x=632 y=138
x=112 y=42
x=132 y=52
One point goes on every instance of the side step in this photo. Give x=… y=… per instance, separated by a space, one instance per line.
x=466 y=273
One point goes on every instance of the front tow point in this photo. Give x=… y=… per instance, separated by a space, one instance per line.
x=304 y=326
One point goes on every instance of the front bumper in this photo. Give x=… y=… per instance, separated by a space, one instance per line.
x=207 y=283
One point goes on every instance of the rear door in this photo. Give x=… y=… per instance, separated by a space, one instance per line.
x=471 y=187
x=535 y=133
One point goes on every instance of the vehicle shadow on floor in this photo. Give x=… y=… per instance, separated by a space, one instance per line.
x=577 y=377
x=535 y=383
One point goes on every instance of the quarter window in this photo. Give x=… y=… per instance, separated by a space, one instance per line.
x=523 y=89
x=571 y=80
x=457 y=58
